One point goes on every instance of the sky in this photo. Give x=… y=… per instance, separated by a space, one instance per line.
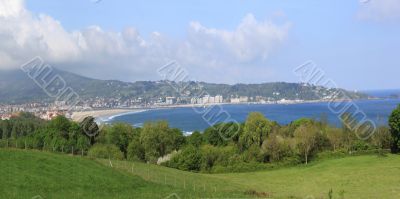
x=355 y=42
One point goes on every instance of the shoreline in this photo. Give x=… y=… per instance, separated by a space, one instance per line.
x=108 y=114
x=105 y=113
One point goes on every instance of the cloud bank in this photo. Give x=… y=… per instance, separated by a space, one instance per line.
x=380 y=10
x=126 y=55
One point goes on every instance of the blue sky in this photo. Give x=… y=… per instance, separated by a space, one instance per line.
x=355 y=42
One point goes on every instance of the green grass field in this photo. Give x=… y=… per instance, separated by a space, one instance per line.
x=26 y=174
x=367 y=176
x=34 y=174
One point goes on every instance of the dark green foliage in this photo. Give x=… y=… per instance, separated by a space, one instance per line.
x=196 y=139
x=213 y=135
x=394 y=124
x=189 y=159
x=158 y=140
x=153 y=141
x=136 y=151
x=277 y=147
x=256 y=130
x=90 y=128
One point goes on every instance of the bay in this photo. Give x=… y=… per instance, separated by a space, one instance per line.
x=189 y=119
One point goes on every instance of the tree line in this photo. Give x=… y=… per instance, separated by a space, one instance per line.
x=257 y=143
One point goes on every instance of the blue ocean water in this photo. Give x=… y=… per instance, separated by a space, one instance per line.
x=189 y=119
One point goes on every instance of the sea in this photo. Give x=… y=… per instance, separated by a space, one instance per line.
x=190 y=119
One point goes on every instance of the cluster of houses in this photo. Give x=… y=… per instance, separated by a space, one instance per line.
x=46 y=115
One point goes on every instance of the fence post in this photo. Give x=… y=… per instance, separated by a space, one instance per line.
x=148 y=172
x=165 y=179
x=109 y=159
x=175 y=181
x=72 y=150
x=25 y=144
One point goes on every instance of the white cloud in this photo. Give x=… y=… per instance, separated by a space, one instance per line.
x=380 y=10
x=126 y=55
x=249 y=41
x=11 y=8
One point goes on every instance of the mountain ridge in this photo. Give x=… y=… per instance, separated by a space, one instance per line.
x=16 y=87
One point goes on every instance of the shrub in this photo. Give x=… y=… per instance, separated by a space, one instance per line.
x=105 y=151
x=253 y=154
x=360 y=145
x=189 y=159
x=136 y=151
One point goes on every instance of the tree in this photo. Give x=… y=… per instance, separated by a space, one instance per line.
x=90 y=128
x=136 y=150
x=178 y=139
x=1 y=129
x=14 y=131
x=158 y=139
x=120 y=134
x=61 y=125
x=213 y=137
x=189 y=159
x=306 y=136
x=276 y=147
x=6 y=129
x=210 y=155
x=335 y=137
x=394 y=124
x=256 y=129
x=382 y=138
x=299 y=122
x=349 y=136
x=195 y=139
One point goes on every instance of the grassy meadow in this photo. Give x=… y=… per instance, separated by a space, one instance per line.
x=34 y=174
x=367 y=176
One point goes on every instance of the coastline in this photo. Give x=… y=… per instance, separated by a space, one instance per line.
x=105 y=113
x=108 y=114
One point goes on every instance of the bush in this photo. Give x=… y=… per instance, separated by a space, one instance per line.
x=136 y=151
x=105 y=151
x=212 y=155
x=253 y=154
x=189 y=159
x=360 y=145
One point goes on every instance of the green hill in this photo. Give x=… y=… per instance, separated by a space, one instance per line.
x=367 y=176
x=17 y=87
x=31 y=174
x=26 y=174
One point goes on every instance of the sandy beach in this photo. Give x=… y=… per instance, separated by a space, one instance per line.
x=79 y=116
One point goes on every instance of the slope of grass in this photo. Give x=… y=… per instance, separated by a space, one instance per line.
x=34 y=174
x=351 y=177
x=26 y=174
x=366 y=176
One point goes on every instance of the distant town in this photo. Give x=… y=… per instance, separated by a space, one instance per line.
x=48 y=111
